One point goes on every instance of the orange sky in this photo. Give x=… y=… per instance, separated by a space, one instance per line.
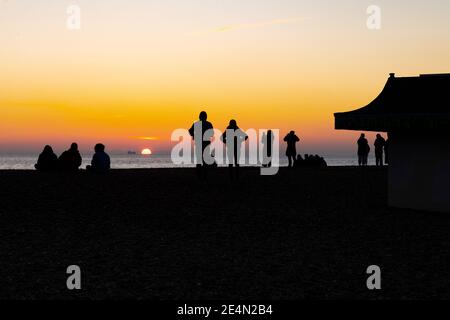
x=144 y=69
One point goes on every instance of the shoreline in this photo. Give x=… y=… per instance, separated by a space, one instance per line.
x=211 y=169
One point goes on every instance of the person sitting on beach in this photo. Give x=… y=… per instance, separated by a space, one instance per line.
x=311 y=161
x=307 y=160
x=299 y=162
x=291 y=152
x=101 y=162
x=319 y=162
x=70 y=160
x=363 y=150
x=322 y=162
x=47 y=160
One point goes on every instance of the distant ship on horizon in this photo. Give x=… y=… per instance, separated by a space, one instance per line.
x=132 y=152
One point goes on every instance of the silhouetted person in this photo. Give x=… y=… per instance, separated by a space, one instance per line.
x=379 y=144
x=70 y=160
x=291 y=152
x=200 y=131
x=47 y=160
x=363 y=150
x=234 y=146
x=299 y=161
x=101 y=162
x=310 y=161
x=386 y=151
x=323 y=163
x=267 y=141
x=319 y=162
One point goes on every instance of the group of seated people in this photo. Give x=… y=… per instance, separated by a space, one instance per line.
x=70 y=160
x=310 y=161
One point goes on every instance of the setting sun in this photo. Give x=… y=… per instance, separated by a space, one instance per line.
x=146 y=152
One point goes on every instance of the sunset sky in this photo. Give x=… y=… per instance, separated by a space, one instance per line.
x=141 y=69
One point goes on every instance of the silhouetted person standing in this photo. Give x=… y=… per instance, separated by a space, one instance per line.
x=47 y=160
x=386 y=151
x=291 y=152
x=267 y=141
x=233 y=146
x=363 y=150
x=101 y=162
x=379 y=144
x=202 y=132
x=70 y=160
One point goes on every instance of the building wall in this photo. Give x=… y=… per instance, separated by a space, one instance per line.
x=419 y=171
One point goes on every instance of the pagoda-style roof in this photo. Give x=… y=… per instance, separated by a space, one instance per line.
x=407 y=103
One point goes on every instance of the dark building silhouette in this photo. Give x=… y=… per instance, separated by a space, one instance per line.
x=47 y=161
x=415 y=112
x=101 y=162
x=291 y=152
x=70 y=160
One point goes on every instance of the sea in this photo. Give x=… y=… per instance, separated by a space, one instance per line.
x=135 y=161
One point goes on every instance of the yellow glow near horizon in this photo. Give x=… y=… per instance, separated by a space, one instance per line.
x=146 y=152
x=136 y=71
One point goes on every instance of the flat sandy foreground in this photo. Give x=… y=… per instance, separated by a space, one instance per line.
x=163 y=234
